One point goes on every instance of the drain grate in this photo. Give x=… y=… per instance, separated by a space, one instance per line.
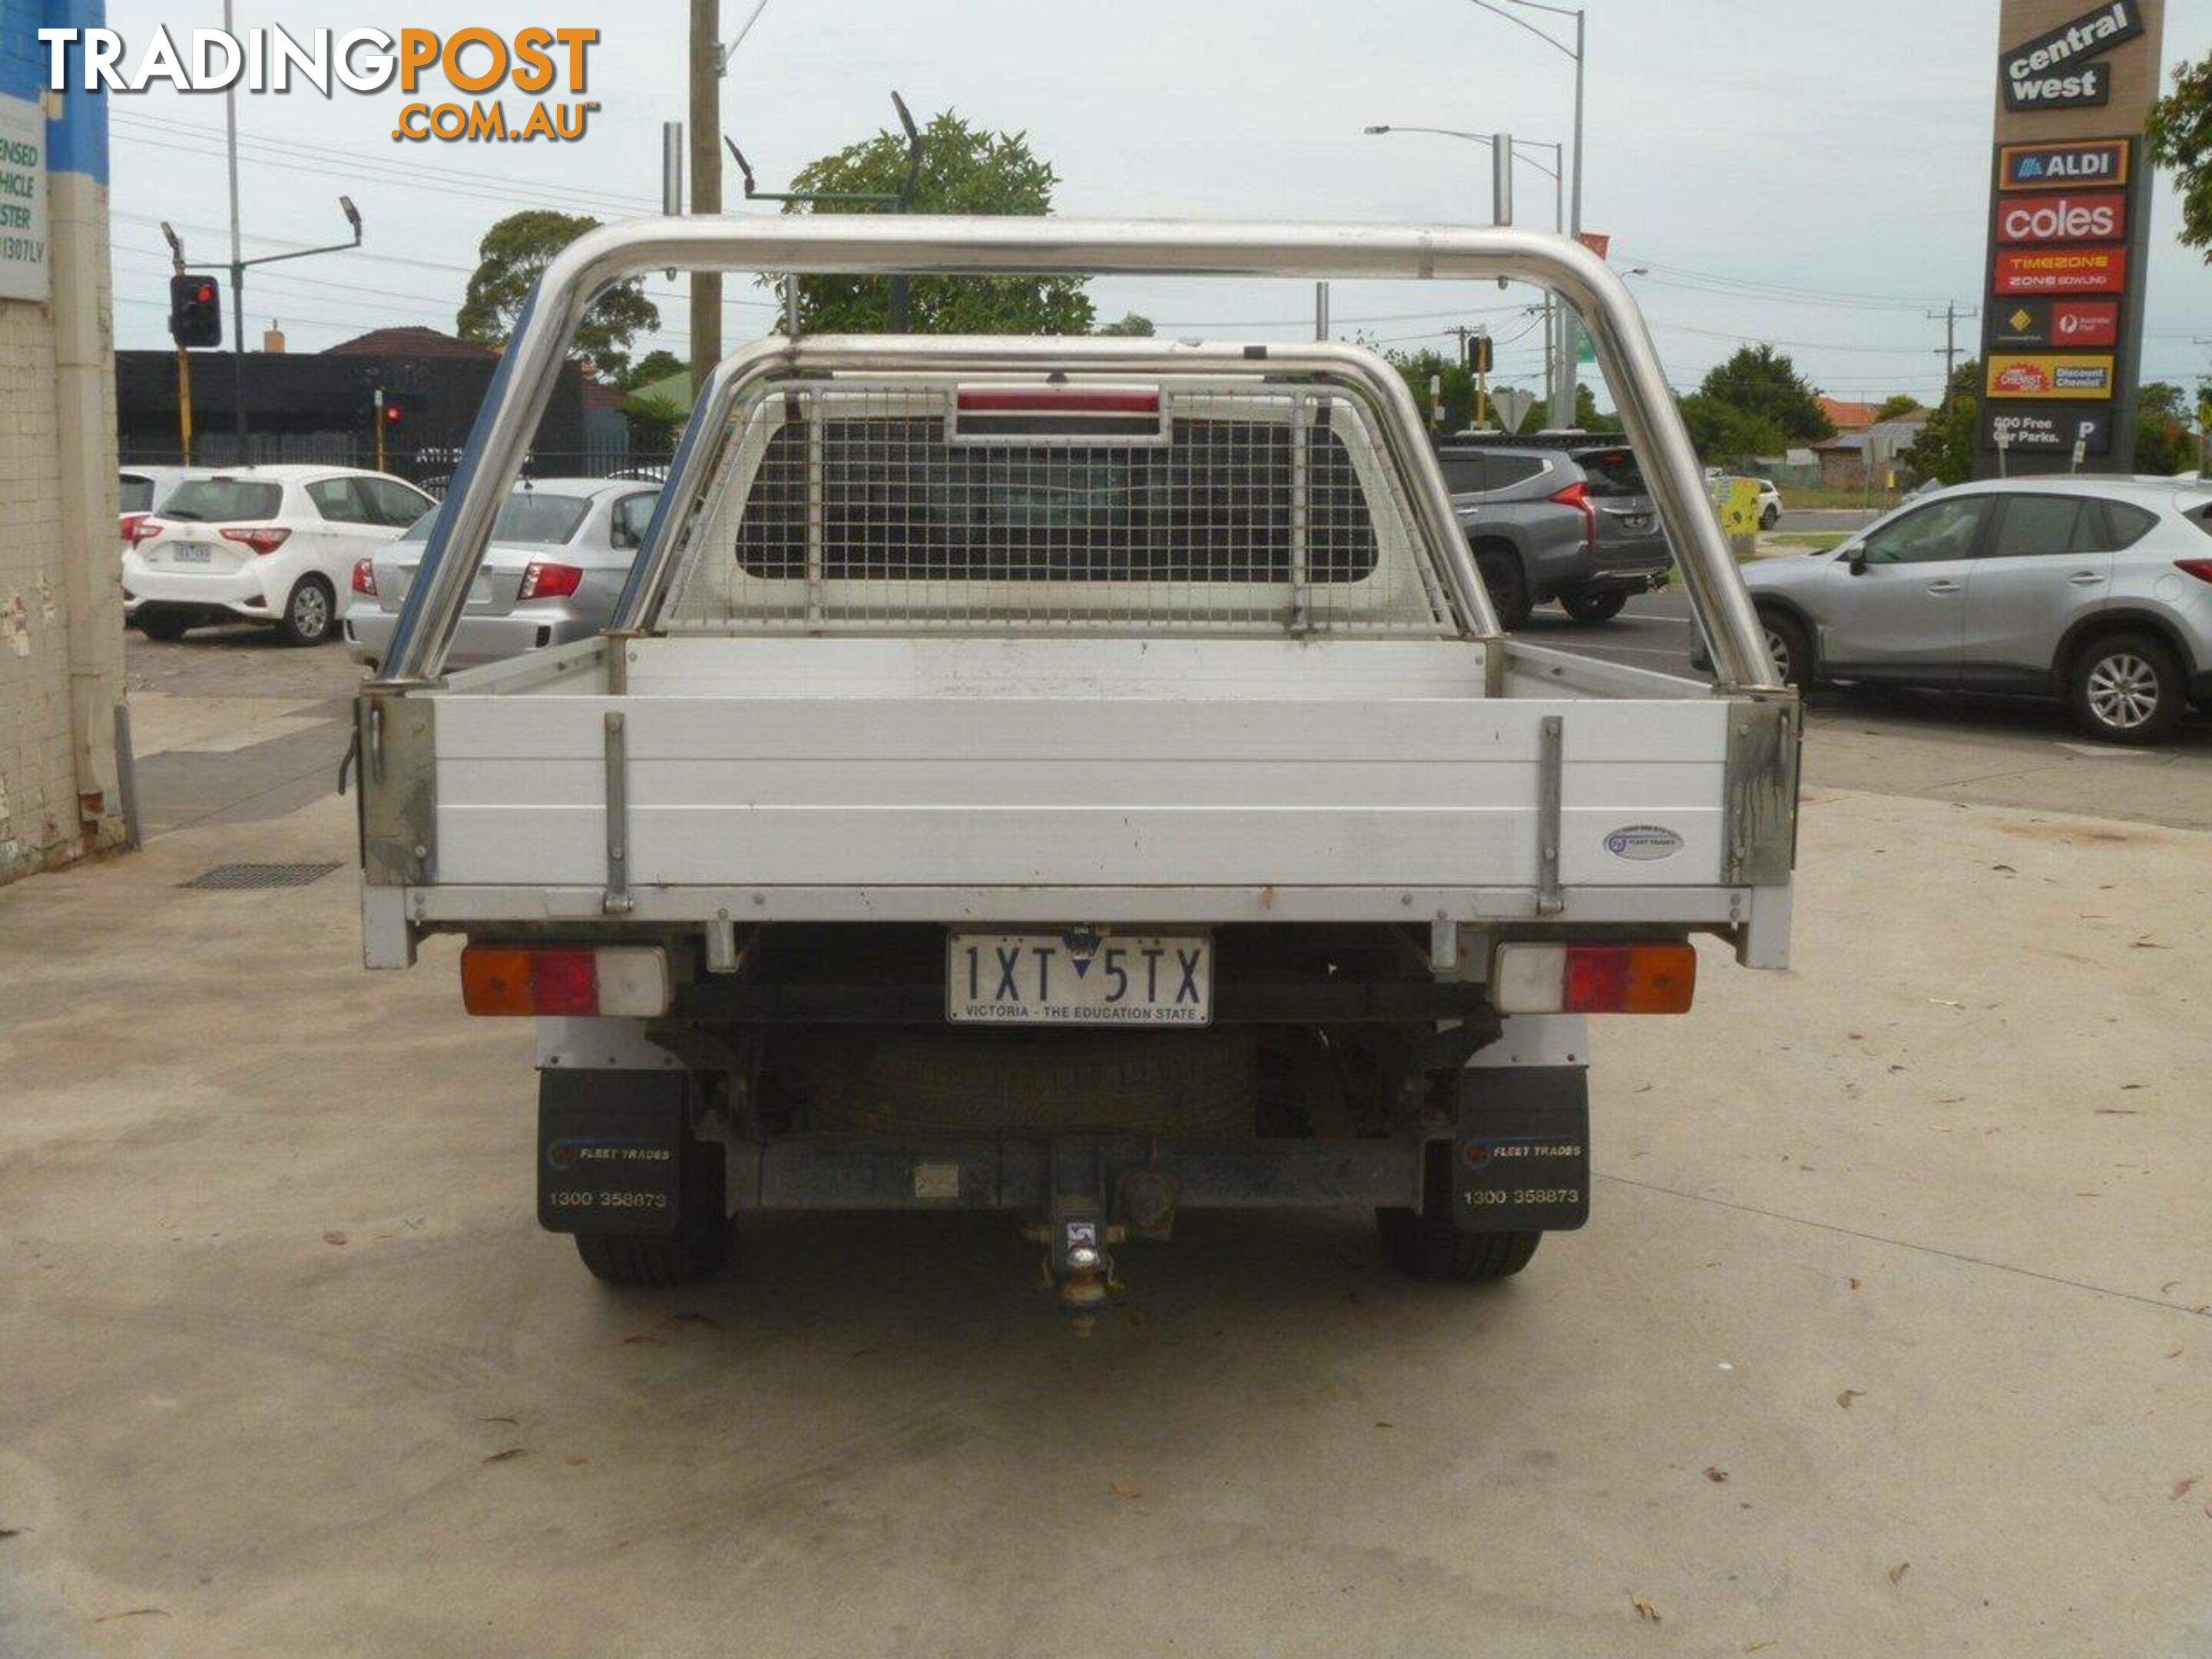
x=231 y=877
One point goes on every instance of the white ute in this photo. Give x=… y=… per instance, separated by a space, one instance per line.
x=1081 y=778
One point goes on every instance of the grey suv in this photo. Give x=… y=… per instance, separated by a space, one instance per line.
x=2095 y=590
x=1570 y=520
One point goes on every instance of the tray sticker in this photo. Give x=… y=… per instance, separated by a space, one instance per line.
x=1643 y=842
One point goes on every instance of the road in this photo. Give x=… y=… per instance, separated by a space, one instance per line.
x=2008 y=751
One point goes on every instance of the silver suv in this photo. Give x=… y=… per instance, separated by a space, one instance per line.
x=2098 y=591
x=1568 y=520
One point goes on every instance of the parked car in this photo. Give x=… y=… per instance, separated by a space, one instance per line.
x=2097 y=590
x=143 y=489
x=560 y=549
x=274 y=544
x=1571 y=522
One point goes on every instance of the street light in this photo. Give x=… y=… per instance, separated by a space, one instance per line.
x=1565 y=391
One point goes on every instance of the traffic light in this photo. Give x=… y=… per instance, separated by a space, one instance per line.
x=195 y=311
x=401 y=410
x=1481 y=354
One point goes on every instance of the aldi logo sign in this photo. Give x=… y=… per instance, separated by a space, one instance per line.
x=2044 y=377
x=2099 y=218
x=2068 y=270
x=2033 y=167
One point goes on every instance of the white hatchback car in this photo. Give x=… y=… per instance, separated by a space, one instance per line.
x=274 y=544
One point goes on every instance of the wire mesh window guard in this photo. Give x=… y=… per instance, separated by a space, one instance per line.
x=1202 y=506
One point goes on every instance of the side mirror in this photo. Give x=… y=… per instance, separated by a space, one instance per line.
x=1857 y=561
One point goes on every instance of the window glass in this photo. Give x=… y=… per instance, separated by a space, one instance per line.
x=1939 y=532
x=1465 y=475
x=137 y=494
x=631 y=515
x=335 y=500
x=528 y=516
x=2123 y=525
x=2032 y=526
x=1506 y=469
x=236 y=500
x=1611 y=472
x=390 y=502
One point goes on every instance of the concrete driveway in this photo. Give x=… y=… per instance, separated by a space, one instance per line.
x=1891 y=1333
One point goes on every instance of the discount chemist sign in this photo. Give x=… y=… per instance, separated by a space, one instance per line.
x=2061 y=329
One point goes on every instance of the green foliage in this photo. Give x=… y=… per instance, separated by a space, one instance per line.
x=655 y=365
x=1944 y=449
x=2179 y=133
x=1587 y=417
x=1131 y=324
x=1903 y=403
x=1763 y=390
x=514 y=253
x=1726 y=435
x=1415 y=368
x=2164 y=444
x=964 y=170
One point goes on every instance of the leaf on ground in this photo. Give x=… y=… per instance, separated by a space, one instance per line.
x=133 y=1613
x=17 y=1532
x=334 y=1237
x=2148 y=945
x=1381 y=1424
x=575 y=1459
x=1124 y=1490
x=2175 y=1354
x=1756 y=1647
x=501 y=1456
x=2181 y=1488
x=1845 y=1398
x=2124 y=1087
x=643 y=1338
x=1643 y=1608
x=1855 y=1283
x=1855 y=1036
x=2117 y=1111
x=1897 y=1573
x=509 y=1421
x=1946 y=1002
x=2007 y=868
x=1717 y=1474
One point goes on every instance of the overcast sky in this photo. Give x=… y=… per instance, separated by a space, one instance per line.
x=1811 y=175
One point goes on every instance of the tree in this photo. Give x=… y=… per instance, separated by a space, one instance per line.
x=1726 y=435
x=1944 y=450
x=1903 y=403
x=514 y=253
x=2179 y=133
x=1131 y=324
x=654 y=367
x=1416 y=368
x=1763 y=387
x=964 y=170
x=2164 y=444
x=1587 y=417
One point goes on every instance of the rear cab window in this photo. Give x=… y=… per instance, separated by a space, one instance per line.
x=234 y=501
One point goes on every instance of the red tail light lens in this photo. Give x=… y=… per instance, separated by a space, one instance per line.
x=364 y=577
x=1577 y=496
x=550 y=581
x=142 y=528
x=264 y=541
x=621 y=979
x=1594 y=979
x=2200 y=569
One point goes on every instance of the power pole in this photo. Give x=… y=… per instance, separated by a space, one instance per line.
x=706 y=180
x=1952 y=316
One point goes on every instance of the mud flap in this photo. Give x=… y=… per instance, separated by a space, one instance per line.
x=1521 y=1160
x=611 y=1150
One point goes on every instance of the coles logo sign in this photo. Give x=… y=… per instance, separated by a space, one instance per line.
x=2099 y=218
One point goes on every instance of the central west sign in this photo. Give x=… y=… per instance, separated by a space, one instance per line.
x=2061 y=329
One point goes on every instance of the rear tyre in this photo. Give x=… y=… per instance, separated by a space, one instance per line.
x=700 y=1244
x=1790 y=647
x=1509 y=589
x=1430 y=1245
x=1771 y=518
x=311 y=613
x=165 y=626
x=2127 y=689
x=1595 y=605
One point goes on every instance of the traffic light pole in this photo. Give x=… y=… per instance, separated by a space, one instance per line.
x=184 y=360
x=238 y=269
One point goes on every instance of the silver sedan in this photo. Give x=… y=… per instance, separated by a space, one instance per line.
x=560 y=551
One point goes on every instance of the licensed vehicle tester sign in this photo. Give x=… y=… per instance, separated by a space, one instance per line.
x=2061 y=329
x=25 y=271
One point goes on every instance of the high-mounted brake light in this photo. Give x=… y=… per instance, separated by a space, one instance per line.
x=1577 y=496
x=2200 y=569
x=263 y=540
x=628 y=980
x=142 y=529
x=550 y=581
x=364 y=577
x=1594 y=979
x=1057 y=400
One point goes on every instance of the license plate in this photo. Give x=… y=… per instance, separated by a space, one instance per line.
x=1080 y=978
x=190 y=553
x=1639 y=522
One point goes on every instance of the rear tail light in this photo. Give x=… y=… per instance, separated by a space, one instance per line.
x=2200 y=569
x=550 y=581
x=1577 y=496
x=630 y=980
x=142 y=528
x=1594 y=979
x=130 y=522
x=364 y=577
x=263 y=541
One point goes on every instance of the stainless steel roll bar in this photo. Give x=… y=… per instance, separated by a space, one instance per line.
x=779 y=357
x=849 y=244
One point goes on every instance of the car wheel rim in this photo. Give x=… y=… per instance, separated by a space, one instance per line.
x=2123 y=691
x=1778 y=648
x=309 y=614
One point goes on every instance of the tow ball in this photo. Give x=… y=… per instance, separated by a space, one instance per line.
x=1078 y=1265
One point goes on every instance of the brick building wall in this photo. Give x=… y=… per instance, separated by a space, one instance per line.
x=61 y=602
